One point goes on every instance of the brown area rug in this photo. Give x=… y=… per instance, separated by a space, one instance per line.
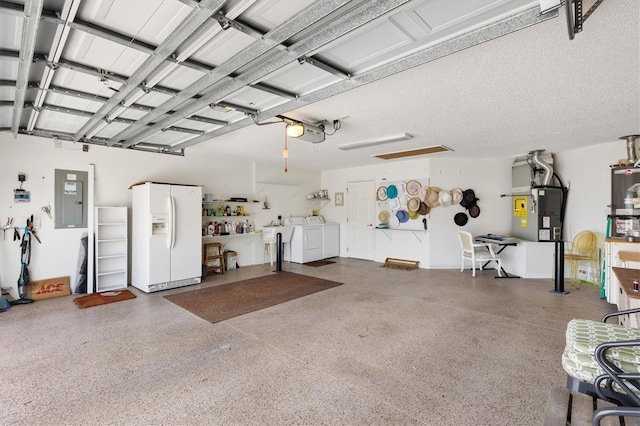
x=96 y=299
x=221 y=302
x=319 y=263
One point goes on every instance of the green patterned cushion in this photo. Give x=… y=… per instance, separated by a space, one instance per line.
x=582 y=338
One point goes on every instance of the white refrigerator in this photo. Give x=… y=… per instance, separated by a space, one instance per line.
x=166 y=236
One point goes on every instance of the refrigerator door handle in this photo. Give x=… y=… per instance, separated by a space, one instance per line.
x=172 y=222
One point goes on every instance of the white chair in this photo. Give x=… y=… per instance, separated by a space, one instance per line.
x=480 y=253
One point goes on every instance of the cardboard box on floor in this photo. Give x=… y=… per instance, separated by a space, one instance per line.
x=49 y=288
x=230 y=260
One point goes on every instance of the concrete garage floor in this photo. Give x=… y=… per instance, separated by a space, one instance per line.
x=434 y=347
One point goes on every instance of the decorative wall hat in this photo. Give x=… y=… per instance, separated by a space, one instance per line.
x=413 y=204
x=445 y=198
x=422 y=194
x=461 y=219
x=468 y=198
x=456 y=194
x=383 y=217
x=431 y=198
x=423 y=209
x=394 y=203
x=392 y=191
x=402 y=215
x=474 y=211
x=413 y=188
x=404 y=201
x=381 y=193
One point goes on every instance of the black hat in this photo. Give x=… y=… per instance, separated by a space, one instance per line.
x=460 y=219
x=468 y=198
x=474 y=211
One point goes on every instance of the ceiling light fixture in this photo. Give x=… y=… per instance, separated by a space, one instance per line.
x=295 y=130
x=374 y=142
x=304 y=131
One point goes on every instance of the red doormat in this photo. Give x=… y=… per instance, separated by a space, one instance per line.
x=224 y=301
x=96 y=299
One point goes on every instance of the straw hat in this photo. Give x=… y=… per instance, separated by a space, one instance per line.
x=422 y=194
x=381 y=193
x=431 y=199
x=413 y=187
x=383 y=217
x=456 y=194
x=413 y=204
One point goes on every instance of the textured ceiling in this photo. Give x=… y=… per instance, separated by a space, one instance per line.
x=486 y=78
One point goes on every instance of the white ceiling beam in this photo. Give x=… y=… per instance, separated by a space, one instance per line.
x=270 y=40
x=196 y=18
x=104 y=123
x=465 y=41
x=69 y=11
x=103 y=99
x=32 y=12
x=144 y=147
x=113 y=36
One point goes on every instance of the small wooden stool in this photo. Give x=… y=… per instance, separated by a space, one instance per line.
x=212 y=258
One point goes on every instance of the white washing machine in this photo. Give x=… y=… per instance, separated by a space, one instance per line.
x=306 y=241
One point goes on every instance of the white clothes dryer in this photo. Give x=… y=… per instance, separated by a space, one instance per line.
x=306 y=240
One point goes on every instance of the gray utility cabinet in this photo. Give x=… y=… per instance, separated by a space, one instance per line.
x=71 y=195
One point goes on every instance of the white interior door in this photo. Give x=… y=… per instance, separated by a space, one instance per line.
x=361 y=212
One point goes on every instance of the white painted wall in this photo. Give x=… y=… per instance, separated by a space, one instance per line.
x=439 y=247
x=399 y=244
x=489 y=179
x=115 y=171
x=587 y=172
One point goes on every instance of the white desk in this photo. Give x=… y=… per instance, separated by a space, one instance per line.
x=530 y=259
x=503 y=242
